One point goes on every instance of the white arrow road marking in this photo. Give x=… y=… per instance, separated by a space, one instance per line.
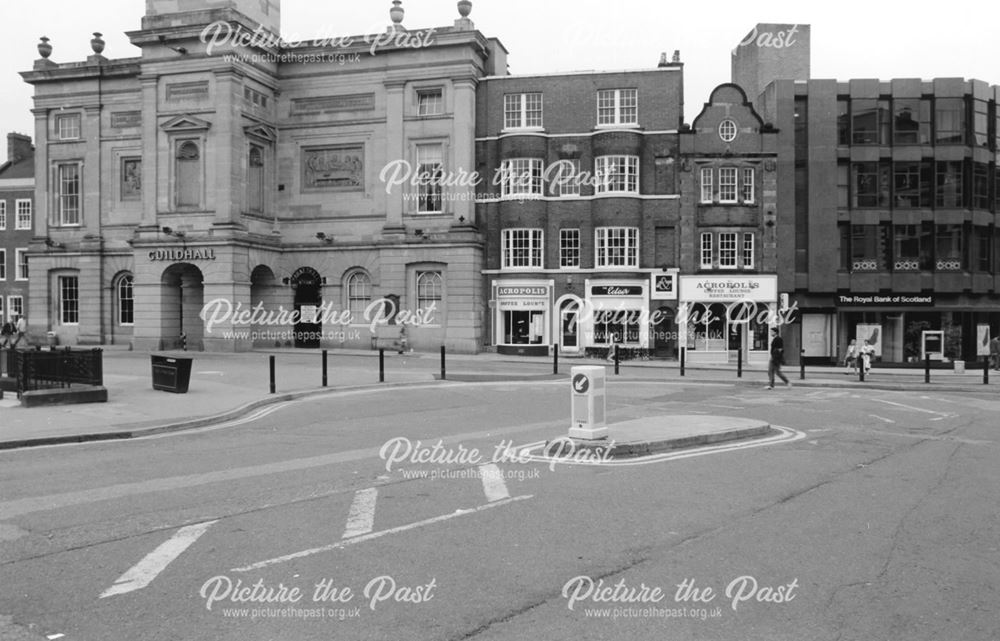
x=361 y=517
x=143 y=573
x=375 y=535
x=493 y=483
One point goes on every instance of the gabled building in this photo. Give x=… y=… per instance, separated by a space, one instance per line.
x=17 y=219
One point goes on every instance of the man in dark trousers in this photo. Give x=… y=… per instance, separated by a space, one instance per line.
x=777 y=360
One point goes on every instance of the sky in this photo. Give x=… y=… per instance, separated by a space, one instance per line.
x=850 y=38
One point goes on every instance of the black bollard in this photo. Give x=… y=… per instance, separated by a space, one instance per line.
x=324 y=368
x=986 y=370
x=861 y=368
x=927 y=368
x=739 y=363
x=616 y=359
x=381 y=365
x=683 y=350
x=272 y=375
x=802 y=365
x=443 y=371
x=555 y=359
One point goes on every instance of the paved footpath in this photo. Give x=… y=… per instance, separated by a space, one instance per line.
x=230 y=386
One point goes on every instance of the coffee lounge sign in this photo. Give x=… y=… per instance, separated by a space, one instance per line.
x=734 y=288
x=181 y=255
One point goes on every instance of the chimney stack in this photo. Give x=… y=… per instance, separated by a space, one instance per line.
x=19 y=147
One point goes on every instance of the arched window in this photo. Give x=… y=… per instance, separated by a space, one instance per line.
x=188 y=174
x=429 y=290
x=359 y=295
x=126 y=301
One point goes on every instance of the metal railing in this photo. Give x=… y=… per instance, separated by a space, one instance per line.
x=36 y=370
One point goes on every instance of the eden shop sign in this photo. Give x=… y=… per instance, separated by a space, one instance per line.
x=885 y=300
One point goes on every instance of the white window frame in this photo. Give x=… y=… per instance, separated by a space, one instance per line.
x=518 y=115
x=18 y=272
x=11 y=306
x=436 y=108
x=728 y=180
x=3 y=215
x=22 y=214
x=534 y=249
x=728 y=130
x=617 y=101
x=3 y=269
x=565 y=186
x=68 y=133
x=434 y=279
x=354 y=280
x=569 y=246
x=748 y=250
x=61 y=209
x=748 y=185
x=706 y=250
x=428 y=190
x=617 y=174
x=629 y=238
x=729 y=250
x=521 y=177
x=62 y=299
x=707 y=184
x=127 y=278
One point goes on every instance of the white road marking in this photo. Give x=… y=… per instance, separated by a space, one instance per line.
x=884 y=420
x=361 y=517
x=493 y=483
x=912 y=408
x=53 y=637
x=143 y=573
x=375 y=535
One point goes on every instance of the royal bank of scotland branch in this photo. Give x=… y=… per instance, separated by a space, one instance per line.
x=224 y=170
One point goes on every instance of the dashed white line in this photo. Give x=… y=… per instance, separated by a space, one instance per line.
x=375 y=535
x=883 y=419
x=361 y=517
x=493 y=483
x=143 y=573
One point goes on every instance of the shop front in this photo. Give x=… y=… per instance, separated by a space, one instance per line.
x=522 y=317
x=616 y=313
x=719 y=317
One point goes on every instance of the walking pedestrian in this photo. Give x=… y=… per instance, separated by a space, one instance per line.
x=777 y=360
x=867 y=352
x=20 y=329
x=6 y=334
x=851 y=358
x=995 y=353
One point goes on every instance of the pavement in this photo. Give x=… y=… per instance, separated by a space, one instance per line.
x=226 y=387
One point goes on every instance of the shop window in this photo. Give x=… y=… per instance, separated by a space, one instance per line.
x=871 y=184
x=617 y=246
x=522 y=111
x=523 y=327
x=707 y=329
x=569 y=248
x=617 y=174
x=188 y=174
x=521 y=177
x=869 y=122
x=981 y=123
x=359 y=295
x=126 y=301
x=618 y=107
x=913 y=182
x=615 y=327
x=521 y=248
x=949 y=184
x=911 y=122
x=255 y=179
x=948 y=248
x=430 y=102
x=565 y=177
x=706 y=185
x=980 y=186
x=68 y=194
x=949 y=121
x=69 y=300
x=430 y=173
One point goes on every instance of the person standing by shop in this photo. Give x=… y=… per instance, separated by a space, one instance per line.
x=867 y=351
x=20 y=329
x=851 y=358
x=777 y=360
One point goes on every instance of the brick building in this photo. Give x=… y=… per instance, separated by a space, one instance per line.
x=17 y=198
x=214 y=170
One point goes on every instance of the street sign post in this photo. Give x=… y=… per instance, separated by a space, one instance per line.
x=588 y=402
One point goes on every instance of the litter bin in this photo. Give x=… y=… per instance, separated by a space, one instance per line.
x=171 y=373
x=53 y=339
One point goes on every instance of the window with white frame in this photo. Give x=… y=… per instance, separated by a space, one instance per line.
x=3 y=317
x=522 y=110
x=430 y=102
x=430 y=290
x=3 y=215
x=3 y=268
x=617 y=246
x=21 y=263
x=68 y=127
x=23 y=208
x=748 y=252
x=430 y=172
x=565 y=177
x=617 y=174
x=569 y=248
x=727 y=250
x=521 y=248
x=706 y=250
x=15 y=306
x=68 y=194
x=126 y=301
x=359 y=295
x=727 y=184
x=69 y=300
x=747 y=184
x=706 y=185
x=618 y=107
x=521 y=177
